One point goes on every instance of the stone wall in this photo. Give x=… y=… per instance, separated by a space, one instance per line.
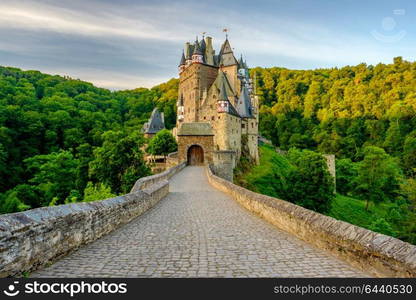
x=145 y=182
x=186 y=141
x=224 y=164
x=372 y=252
x=32 y=239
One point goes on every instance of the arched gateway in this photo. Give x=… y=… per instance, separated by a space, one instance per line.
x=195 y=155
x=195 y=143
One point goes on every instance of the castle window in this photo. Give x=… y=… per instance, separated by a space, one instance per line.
x=243 y=125
x=205 y=117
x=212 y=118
x=252 y=125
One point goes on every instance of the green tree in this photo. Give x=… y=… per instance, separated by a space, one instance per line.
x=97 y=192
x=119 y=162
x=409 y=153
x=10 y=203
x=162 y=143
x=54 y=174
x=378 y=177
x=346 y=176
x=309 y=184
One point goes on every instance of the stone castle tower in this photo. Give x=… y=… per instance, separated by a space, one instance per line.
x=217 y=111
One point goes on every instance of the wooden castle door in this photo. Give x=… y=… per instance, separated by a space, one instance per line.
x=195 y=155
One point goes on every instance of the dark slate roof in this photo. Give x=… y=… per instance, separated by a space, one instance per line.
x=221 y=83
x=195 y=128
x=182 y=62
x=223 y=92
x=226 y=55
x=197 y=49
x=155 y=123
x=241 y=63
x=243 y=106
x=203 y=45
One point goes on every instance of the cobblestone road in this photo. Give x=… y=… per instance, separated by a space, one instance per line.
x=198 y=231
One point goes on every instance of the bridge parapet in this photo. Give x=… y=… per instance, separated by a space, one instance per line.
x=144 y=182
x=32 y=239
x=374 y=253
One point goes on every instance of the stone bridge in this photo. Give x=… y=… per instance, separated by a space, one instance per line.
x=201 y=228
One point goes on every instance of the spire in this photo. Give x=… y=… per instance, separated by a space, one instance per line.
x=243 y=106
x=182 y=62
x=197 y=49
x=223 y=93
x=241 y=62
x=226 y=56
x=203 y=45
x=155 y=123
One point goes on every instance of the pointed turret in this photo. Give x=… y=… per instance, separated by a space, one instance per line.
x=223 y=104
x=182 y=63
x=203 y=45
x=197 y=54
x=241 y=62
x=244 y=107
x=226 y=55
x=155 y=123
x=223 y=93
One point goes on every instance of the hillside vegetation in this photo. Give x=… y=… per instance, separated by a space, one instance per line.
x=57 y=134
x=341 y=111
x=273 y=177
x=64 y=140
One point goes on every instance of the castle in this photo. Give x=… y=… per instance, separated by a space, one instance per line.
x=217 y=110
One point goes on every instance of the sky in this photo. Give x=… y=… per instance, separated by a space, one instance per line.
x=126 y=44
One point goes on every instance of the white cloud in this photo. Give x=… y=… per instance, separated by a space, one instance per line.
x=149 y=34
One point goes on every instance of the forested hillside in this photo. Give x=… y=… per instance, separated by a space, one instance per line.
x=64 y=140
x=366 y=116
x=57 y=134
x=340 y=111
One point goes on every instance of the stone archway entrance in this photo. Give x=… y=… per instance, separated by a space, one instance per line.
x=195 y=155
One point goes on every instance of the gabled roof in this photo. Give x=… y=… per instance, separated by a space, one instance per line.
x=222 y=84
x=244 y=108
x=155 y=123
x=226 y=56
x=195 y=128
x=223 y=93
x=222 y=78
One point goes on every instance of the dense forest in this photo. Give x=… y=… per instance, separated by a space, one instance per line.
x=366 y=116
x=64 y=140
x=341 y=111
